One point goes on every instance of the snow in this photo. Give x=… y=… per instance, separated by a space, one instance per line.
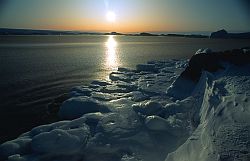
x=151 y=113
x=224 y=128
x=181 y=88
x=156 y=123
x=77 y=106
x=246 y=51
x=137 y=96
x=58 y=141
x=147 y=108
x=203 y=51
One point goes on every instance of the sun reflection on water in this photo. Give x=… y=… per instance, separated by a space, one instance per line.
x=111 y=53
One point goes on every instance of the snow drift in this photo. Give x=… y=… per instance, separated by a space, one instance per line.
x=223 y=130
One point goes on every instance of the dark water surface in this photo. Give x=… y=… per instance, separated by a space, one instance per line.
x=35 y=70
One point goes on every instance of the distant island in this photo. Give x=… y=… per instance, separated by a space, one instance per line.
x=221 y=34
x=7 y=31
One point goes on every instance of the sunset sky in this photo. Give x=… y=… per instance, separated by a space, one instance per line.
x=126 y=15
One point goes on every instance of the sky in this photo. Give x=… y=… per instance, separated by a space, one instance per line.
x=128 y=15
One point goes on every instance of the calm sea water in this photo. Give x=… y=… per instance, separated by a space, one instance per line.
x=36 y=69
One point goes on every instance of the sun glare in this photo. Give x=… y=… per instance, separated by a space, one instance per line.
x=111 y=55
x=111 y=16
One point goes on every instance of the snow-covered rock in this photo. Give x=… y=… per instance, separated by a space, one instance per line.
x=185 y=84
x=223 y=132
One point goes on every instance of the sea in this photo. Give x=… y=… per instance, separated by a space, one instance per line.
x=37 y=70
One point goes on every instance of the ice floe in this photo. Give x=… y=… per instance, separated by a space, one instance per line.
x=75 y=107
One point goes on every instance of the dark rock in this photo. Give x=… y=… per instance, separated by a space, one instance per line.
x=223 y=34
x=219 y=34
x=212 y=62
x=147 y=34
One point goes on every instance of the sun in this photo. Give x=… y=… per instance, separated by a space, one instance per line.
x=111 y=16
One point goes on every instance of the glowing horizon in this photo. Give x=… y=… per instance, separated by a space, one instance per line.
x=125 y=16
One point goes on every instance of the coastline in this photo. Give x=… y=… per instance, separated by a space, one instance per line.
x=29 y=86
x=133 y=117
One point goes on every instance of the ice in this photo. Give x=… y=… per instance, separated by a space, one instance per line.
x=128 y=158
x=100 y=83
x=106 y=119
x=119 y=76
x=146 y=68
x=103 y=96
x=156 y=123
x=129 y=86
x=171 y=110
x=137 y=96
x=77 y=106
x=122 y=69
x=182 y=106
x=80 y=91
x=203 y=51
x=114 y=89
x=246 y=50
x=9 y=148
x=117 y=125
x=147 y=108
x=59 y=141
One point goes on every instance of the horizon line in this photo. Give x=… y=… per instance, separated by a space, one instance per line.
x=133 y=32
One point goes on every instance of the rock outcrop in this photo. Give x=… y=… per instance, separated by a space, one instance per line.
x=223 y=34
x=212 y=62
